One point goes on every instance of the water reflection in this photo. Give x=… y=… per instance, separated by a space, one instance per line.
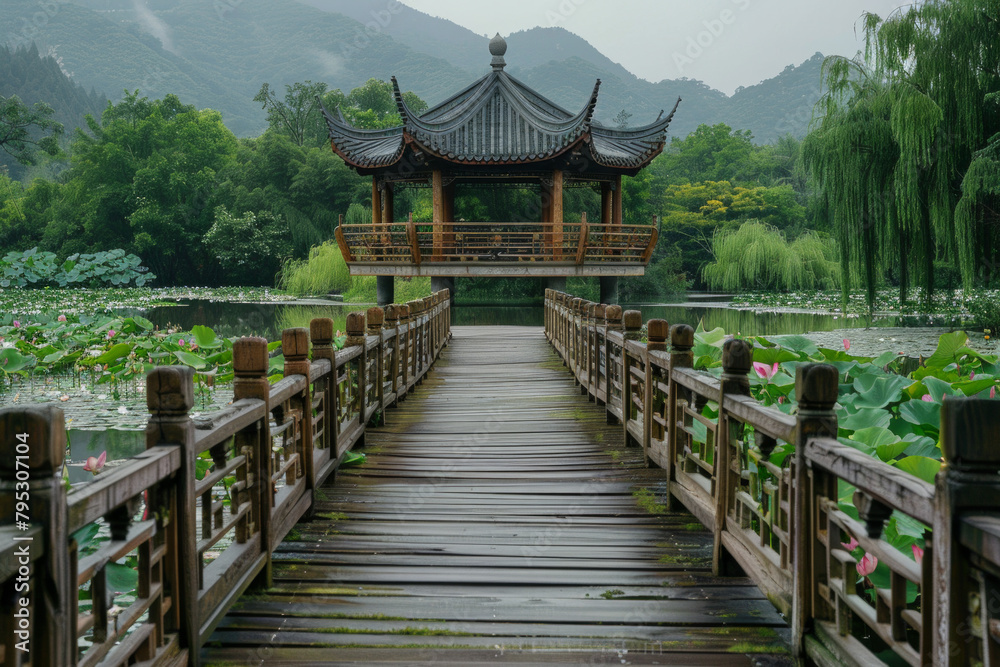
x=269 y=319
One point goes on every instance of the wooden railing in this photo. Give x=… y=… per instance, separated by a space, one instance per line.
x=570 y=243
x=779 y=516
x=200 y=512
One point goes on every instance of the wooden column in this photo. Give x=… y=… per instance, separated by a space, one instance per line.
x=438 y=220
x=376 y=204
x=388 y=213
x=546 y=201
x=616 y=202
x=557 y=214
x=605 y=203
x=449 y=215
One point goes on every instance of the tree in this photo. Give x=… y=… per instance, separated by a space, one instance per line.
x=250 y=247
x=297 y=113
x=20 y=126
x=899 y=130
x=145 y=179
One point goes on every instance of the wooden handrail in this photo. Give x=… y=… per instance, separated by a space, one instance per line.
x=782 y=524
x=196 y=551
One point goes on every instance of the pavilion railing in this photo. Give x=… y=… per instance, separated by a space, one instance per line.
x=778 y=516
x=570 y=243
x=199 y=513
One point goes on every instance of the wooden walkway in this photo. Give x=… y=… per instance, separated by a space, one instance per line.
x=498 y=519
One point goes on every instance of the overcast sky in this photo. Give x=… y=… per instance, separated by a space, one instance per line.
x=725 y=43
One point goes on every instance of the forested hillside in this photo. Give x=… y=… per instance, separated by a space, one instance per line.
x=216 y=55
x=26 y=74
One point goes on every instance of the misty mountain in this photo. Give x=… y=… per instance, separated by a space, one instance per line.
x=217 y=53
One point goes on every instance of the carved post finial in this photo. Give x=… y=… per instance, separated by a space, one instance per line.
x=632 y=324
x=737 y=360
x=250 y=363
x=656 y=335
x=376 y=317
x=613 y=316
x=295 y=347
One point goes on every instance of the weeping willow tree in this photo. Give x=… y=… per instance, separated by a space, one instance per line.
x=894 y=135
x=756 y=256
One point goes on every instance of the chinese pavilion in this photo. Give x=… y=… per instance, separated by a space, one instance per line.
x=497 y=131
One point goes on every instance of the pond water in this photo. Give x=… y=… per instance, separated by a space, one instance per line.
x=914 y=334
x=99 y=422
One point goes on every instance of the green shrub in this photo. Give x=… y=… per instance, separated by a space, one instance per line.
x=363 y=289
x=324 y=272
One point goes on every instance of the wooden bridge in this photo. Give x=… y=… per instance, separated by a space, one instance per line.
x=500 y=515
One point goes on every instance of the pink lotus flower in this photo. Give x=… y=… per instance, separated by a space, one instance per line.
x=94 y=464
x=847 y=345
x=918 y=554
x=867 y=565
x=850 y=546
x=993 y=391
x=927 y=398
x=181 y=342
x=61 y=318
x=765 y=371
x=781 y=399
x=17 y=324
x=111 y=334
x=972 y=375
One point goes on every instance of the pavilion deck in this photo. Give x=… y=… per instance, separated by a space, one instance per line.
x=497 y=248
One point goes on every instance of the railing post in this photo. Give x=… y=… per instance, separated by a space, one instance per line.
x=356 y=337
x=321 y=334
x=407 y=345
x=250 y=362
x=546 y=312
x=816 y=387
x=656 y=341
x=414 y=335
x=597 y=349
x=967 y=481
x=681 y=342
x=583 y=340
x=632 y=331
x=376 y=318
x=169 y=398
x=392 y=322
x=737 y=358
x=613 y=322
x=295 y=347
x=33 y=449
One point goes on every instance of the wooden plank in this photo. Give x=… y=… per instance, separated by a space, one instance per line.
x=498 y=508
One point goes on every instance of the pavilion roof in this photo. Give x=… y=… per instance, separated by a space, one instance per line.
x=498 y=120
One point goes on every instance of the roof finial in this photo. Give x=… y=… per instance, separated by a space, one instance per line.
x=498 y=47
